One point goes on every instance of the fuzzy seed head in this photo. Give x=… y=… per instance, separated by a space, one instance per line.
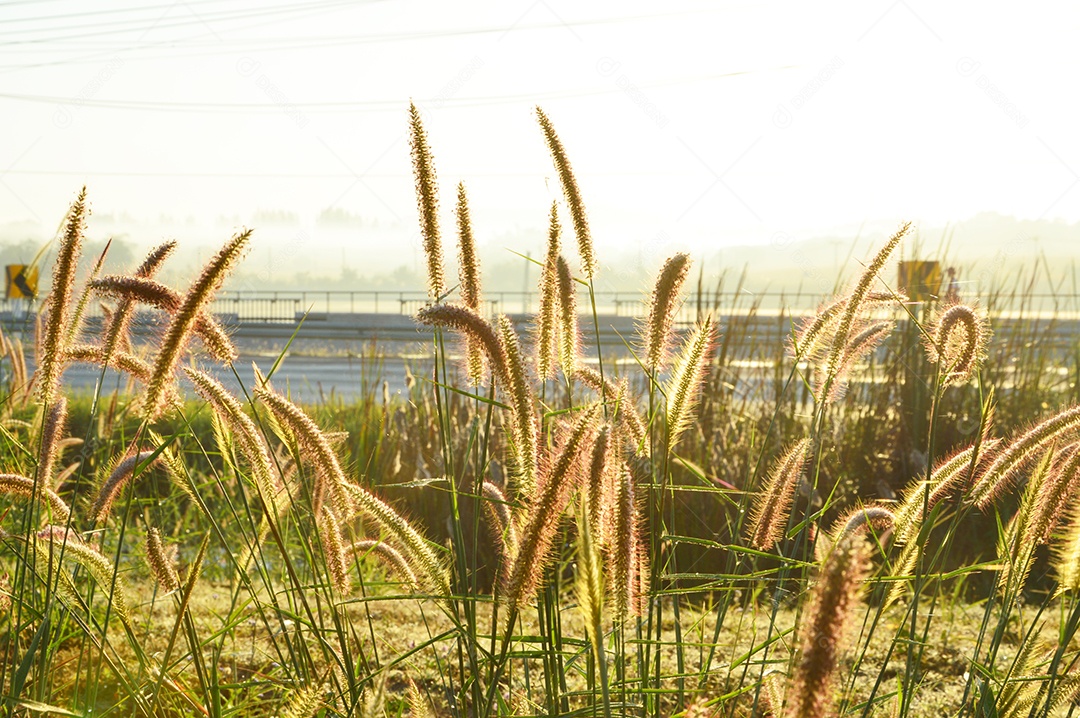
x=956 y=341
x=333 y=551
x=51 y=432
x=630 y=423
x=180 y=326
x=855 y=304
x=546 y=330
x=469 y=277
x=162 y=561
x=999 y=477
x=663 y=306
x=772 y=504
x=686 y=380
x=315 y=448
x=249 y=438
x=545 y=512
x=427 y=202
x=52 y=335
x=26 y=488
x=569 y=335
x=500 y=522
x=827 y=624
x=503 y=349
x=390 y=557
x=624 y=558
x=121 y=473
x=572 y=194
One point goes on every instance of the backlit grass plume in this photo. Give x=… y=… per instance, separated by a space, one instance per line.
x=427 y=202
x=950 y=478
x=572 y=194
x=501 y=522
x=27 y=488
x=333 y=550
x=57 y=539
x=852 y=307
x=118 y=477
x=469 y=277
x=248 y=437
x=1003 y=472
x=872 y=520
x=389 y=557
x=627 y=416
x=626 y=561
x=813 y=338
x=825 y=629
x=116 y=329
x=569 y=334
x=127 y=363
x=52 y=335
x=52 y=430
x=162 y=561
x=663 y=306
x=522 y=399
x=684 y=387
x=503 y=349
x=545 y=332
x=143 y=289
x=772 y=503
x=348 y=497
x=1065 y=557
x=545 y=512
x=178 y=332
x=1016 y=544
x=315 y=449
x=956 y=340
x=860 y=345
x=1059 y=492
x=597 y=484
x=427 y=565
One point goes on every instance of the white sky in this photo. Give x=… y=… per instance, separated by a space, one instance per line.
x=704 y=123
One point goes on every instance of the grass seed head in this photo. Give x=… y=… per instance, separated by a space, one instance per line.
x=118 y=477
x=162 y=561
x=827 y=624
x=956 y=340
x=546 y=510
x=427 y=202
x=390 y=557
x=27 y=488
x=178 y=332
x=663 y=306
x=546 y=328
x=56 y=323
x=52 y=430
x=772 y=503
x=333 y=551
x=572 y=194
x=999 y=477
x=569 y=334
x=687 y=378
x=469 y=276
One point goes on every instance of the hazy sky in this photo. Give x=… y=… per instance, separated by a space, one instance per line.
x=688 y=123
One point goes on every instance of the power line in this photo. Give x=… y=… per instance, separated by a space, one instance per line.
x=386 y=105
x=112 y=28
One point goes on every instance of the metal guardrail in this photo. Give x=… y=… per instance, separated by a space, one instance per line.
x=286 y=306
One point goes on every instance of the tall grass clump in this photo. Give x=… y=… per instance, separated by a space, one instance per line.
x=861 y=510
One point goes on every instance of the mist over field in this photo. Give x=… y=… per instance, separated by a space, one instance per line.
x=341 y=251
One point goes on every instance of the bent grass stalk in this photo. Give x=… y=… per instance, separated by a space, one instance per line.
x=184 y=319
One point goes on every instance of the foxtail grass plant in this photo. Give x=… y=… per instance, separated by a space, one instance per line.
x=748 y=522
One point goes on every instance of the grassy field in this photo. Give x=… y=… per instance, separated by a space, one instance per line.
x=875 y=516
